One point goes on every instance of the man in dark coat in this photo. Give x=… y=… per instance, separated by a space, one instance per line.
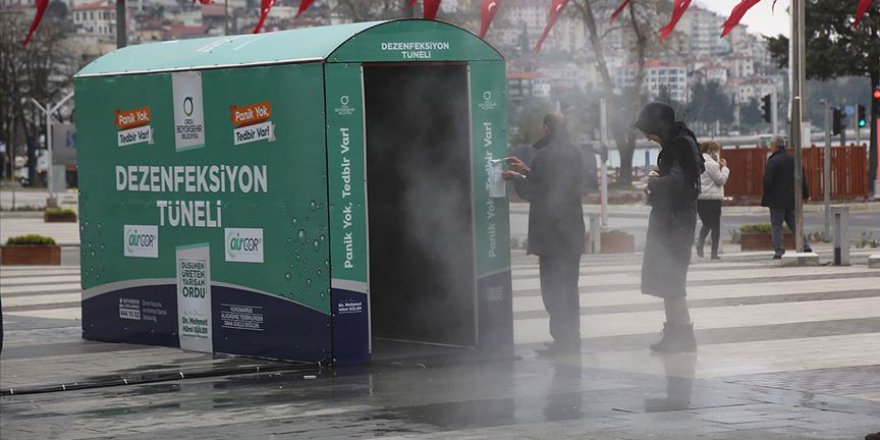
x=779 y=194
x=672 y=194
x=553 y=186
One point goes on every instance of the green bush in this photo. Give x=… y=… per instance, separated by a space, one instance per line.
x=60 y=211
x=760 y=228
x=30 y=240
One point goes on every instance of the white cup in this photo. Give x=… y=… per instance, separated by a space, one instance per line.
x=497 y=186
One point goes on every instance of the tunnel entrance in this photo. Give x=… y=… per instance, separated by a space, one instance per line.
x=419 y=208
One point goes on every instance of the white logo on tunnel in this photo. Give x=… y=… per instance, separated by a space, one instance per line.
x=141 y=241
x=244 y=245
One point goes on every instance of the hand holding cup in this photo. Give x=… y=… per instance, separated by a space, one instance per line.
x=517 y=165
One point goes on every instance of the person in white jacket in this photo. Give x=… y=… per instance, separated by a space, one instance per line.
x=711 y=196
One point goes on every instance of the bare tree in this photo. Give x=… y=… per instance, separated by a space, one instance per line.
x=467 y=15
x=368 y=10
x=42 y=71
x=640 y=20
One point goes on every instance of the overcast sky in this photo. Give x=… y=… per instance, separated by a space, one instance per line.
x=759 y=19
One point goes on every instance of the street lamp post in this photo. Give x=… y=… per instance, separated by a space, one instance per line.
x=47 y=112
x=121 y=24
x=797 y=105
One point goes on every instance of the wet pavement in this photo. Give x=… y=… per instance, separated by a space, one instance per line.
x=785 y=353
x=525 y=398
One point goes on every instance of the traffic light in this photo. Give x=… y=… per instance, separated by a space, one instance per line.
x=837 y=117
x=875 y=103
x=767 y=108
x=862 y=120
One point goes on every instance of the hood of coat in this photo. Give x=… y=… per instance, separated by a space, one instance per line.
x=657 y=119
x=680 y=129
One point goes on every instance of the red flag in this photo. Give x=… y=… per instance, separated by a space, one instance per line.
x=41 y=9
x=736 y=15
x=265 y=6
x=677 y=11
x=555 y=10
x=619 y=10
x=303 y=5
x=860 y=11
x=487 y=14
x=204 y=2
x=413 y=2
x=430 y=7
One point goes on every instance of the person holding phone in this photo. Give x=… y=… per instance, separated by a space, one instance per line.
x=672 y=193
x=552 y=185
x=711 y=196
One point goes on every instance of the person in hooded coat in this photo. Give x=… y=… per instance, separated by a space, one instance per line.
x=672 y=193
x=553 y=186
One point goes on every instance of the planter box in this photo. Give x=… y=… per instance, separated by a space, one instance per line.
x=763 y=241
x=616 y=244
x=30 y=255
x=59 y=218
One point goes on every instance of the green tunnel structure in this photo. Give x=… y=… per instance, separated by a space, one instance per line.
x=309 y=194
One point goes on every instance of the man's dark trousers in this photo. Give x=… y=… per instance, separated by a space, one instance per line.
x=777 y=216
x=559 y=289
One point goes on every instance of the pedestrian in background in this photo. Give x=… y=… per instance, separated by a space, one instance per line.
x=553 y=187
x=711 y=196
x=672 y=194
x=779 y=194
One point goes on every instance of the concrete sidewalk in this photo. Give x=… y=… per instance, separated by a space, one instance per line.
x=785 y=353
x=14 y=224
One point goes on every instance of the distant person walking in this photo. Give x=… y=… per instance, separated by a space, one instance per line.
x=779 y=194
x=556 y=227
x=711 y=196
x=672 y=194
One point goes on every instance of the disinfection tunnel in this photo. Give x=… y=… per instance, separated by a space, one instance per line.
x=320 y=194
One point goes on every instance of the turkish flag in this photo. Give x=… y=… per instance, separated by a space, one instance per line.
x=303 y=5
x=555 y=10
x=736 y=15
x=487 y=14
x=860 y=11
x=41 y=9
x=413 y=2
x=265 y=6
x=431 y=7
x=677 y=11
x=618 y=10
x=204 y=2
